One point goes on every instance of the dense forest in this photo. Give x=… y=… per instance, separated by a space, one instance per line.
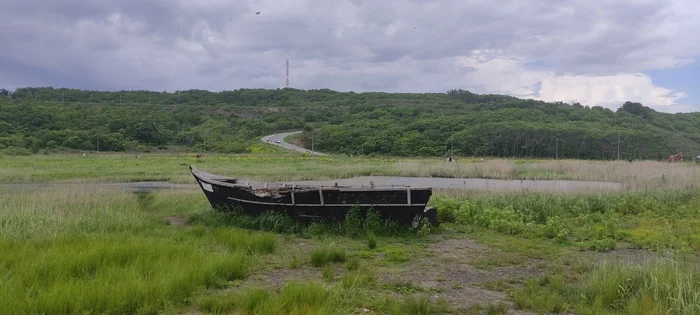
x=404 y=124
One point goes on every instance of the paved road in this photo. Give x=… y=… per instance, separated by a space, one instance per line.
x=273 y=139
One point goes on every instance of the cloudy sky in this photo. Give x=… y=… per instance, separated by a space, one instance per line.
x=596 y=52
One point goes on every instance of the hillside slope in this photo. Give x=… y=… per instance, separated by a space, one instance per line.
x=404 y=124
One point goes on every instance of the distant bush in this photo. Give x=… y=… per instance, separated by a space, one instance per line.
x=17 y=151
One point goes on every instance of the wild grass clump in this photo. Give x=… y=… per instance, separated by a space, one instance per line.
x=218 y=303
x=371 y=241
x=328 y=254
x=359 y=279
x=248 y=301
x=303 y=298
x=295 y=262
x=419 y=305
x=236 y=239
x=327 y=273
x=667 y=286
x=353 y=263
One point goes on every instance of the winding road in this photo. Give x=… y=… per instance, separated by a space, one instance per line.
x=278 y=140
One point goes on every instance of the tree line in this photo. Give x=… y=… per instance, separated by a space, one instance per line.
x=403 y=124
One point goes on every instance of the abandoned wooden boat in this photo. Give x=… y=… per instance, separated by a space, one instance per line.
x=403 y=204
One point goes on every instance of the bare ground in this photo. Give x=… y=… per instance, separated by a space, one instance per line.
x=447 y=272
x=442 y=271
x=460 y=271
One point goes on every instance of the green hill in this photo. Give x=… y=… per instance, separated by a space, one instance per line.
x=403 y=124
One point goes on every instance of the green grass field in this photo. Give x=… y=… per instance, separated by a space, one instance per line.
x=85 y=249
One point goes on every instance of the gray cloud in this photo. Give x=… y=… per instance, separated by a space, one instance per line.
x=345 y=44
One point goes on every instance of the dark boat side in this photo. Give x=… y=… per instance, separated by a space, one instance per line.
x=403 y=204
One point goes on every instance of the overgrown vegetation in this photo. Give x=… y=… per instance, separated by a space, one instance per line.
x=355 y=224
x=34 y=119
x=592 y=222
x=663 y=287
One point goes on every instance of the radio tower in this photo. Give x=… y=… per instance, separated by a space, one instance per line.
x=287 y=77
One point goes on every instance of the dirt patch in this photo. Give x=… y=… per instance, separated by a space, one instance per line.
x=446 y=272
x=276 y=278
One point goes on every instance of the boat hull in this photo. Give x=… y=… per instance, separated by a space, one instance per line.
x=405 y=206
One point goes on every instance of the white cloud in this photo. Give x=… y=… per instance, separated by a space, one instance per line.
x=496 y=72
x=609 y=91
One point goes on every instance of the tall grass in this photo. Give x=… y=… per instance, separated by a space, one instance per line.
x=669 y=286
x=655 y=221
x=82 y=249
x=37 y=213
x=666 y=287
x=235 y=239
x=46 y=213
x=110 y=274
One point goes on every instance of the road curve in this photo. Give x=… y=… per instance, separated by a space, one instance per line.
x=272 y=139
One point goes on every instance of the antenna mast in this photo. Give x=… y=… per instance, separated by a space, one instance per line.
x=287 y=76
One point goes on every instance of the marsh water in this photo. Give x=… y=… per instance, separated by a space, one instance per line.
x=472 y=184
